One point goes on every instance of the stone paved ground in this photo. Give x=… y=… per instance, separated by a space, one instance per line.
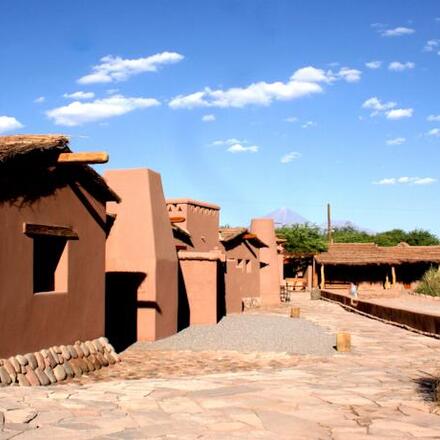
x=382 y=390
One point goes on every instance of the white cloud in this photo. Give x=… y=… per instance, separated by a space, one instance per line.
x=309 y=124
x=208 y=118
x=349 y=75
x=397 y=66
x=77 y=113
x=9 y=123
x=305 y=81
x=40 y=100
x=406 y=181
x=289 y=157
x=310 y=74
x=399 y=113
x=433 y=118
x=432 y=45
x=396 y=32
x=386 y=108
x=425 y=181
x=230 y=141
x=112 y=69
x=79 y=95
x=291 y=119
x=239 y=148
x=261 y=93
x=377 y=105
x=374 y=64
x=434 y=132
x=396 y=141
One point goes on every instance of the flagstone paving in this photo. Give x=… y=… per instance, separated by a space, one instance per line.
x=381 y=390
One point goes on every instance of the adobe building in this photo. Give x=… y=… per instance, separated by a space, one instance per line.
x=372 y=267
x=242 y=275
x=201 y=263
x=141 y=260
x=52 y=235
x=264 y=229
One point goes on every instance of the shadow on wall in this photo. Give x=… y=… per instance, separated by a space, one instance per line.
x=183 y=310
x=221 y=291
x=121 y=304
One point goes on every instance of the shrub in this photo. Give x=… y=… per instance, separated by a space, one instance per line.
x=430 y=283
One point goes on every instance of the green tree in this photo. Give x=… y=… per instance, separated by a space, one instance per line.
x=349 y=234
x=390 y=238
x=303 y=239
x=421 y=237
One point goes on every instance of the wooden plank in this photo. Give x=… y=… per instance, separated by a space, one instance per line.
x=177 y=219
x=249 y=236
x=49 y=230
x=83 y=158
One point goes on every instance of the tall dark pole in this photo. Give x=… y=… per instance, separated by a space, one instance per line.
x=329 y=223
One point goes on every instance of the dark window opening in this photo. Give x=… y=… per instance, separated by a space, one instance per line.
x=50 y=264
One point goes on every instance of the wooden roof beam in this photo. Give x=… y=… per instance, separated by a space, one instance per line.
x=83 y=158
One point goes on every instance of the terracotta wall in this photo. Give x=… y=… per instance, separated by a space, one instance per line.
x=141 y=243
x=200 y=285
x=269 y=272
x=30 y=322
x=201 y=220
x=242 y=277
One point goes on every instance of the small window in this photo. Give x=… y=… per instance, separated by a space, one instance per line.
x=50 y=264
x=240 y=263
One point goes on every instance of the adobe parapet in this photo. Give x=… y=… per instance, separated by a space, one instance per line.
x=200 y=219
x=192 y=202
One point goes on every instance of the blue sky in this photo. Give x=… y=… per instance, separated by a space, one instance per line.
x=253 y=105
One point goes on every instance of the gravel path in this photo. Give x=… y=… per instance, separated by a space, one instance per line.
x=246 y=333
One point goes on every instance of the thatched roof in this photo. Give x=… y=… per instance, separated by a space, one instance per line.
x=14 y=147
x=28 y=168
x=229 y=235
x=360 y=254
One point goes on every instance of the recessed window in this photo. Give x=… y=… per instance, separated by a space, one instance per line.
x=240 y=263
x=50 y=256
x=50 y=264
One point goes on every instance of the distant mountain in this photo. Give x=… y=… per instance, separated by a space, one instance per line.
x=285 y=216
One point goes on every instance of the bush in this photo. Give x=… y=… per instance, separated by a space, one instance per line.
x=303 y=239
x=430 y=283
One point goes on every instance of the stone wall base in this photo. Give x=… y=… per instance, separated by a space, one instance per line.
x=251 y=302
x=57 y=363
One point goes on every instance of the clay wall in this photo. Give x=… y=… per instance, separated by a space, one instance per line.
x=74 y=309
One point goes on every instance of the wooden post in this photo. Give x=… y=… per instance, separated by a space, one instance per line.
x=393 y=276
x=322 y=277
x=295 y=312
x=343 y=342
x=329 y=223
x=315 y=274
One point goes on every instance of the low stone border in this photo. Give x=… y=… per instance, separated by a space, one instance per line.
x=422 y=295
x=55 y=364
x=419 y=322
x=251 y=302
